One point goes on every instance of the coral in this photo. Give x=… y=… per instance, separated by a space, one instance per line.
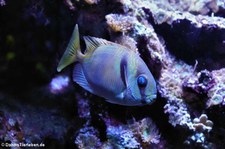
x=200 y=134
x=135 y=134
x=198 y=137
x=216 y=99
x=87 y=138
x=221 y=4
x=84 y=107
x=178 y=113
x=201 y=83
x=216 y=94
x=120 y=23
x=122 y=137
x=127 y=42
x=208 y=83
x=92 y=1
x=59 y=83
x=10 y=129
x=172 y=78
x=2 y=3
x=202 y=124
x=160 y=16
x=198 y=140
x=147 y=130
x=204 y=6
x=193 y=33
x=193 y=6
x=138 y=134
x=70 y=4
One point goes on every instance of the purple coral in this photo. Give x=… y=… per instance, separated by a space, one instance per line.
x=87 y=138
x=136 y=134
x=122 y=137
x=178 y=113
x=59 y=83
x=2 y=3
x=216 y=94
x=200 y=84
x=84 y=107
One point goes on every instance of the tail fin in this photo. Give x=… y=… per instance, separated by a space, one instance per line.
x=73 y=51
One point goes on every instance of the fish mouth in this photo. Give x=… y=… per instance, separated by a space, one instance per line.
x=149 y=99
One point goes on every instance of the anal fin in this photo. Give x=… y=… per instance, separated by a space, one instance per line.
x=79 y=78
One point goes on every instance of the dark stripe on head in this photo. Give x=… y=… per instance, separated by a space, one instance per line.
x=143 y=96
x=142 y=93
x=123 y=66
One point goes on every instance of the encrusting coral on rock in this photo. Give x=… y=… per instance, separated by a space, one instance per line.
x=135 y=134
x=217 y=93
x=120 y=23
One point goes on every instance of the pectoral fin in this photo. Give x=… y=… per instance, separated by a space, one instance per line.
x=79 y=78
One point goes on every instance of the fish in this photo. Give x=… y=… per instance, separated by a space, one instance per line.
x=109 y=70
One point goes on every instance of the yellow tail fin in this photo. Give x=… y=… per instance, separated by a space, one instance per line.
x=73 y=51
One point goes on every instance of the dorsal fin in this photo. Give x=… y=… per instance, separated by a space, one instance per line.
x=92 y=43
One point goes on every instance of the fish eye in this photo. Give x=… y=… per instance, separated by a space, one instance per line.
x=142 y=81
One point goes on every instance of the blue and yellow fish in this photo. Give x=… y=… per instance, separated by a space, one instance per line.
x=109 y=70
